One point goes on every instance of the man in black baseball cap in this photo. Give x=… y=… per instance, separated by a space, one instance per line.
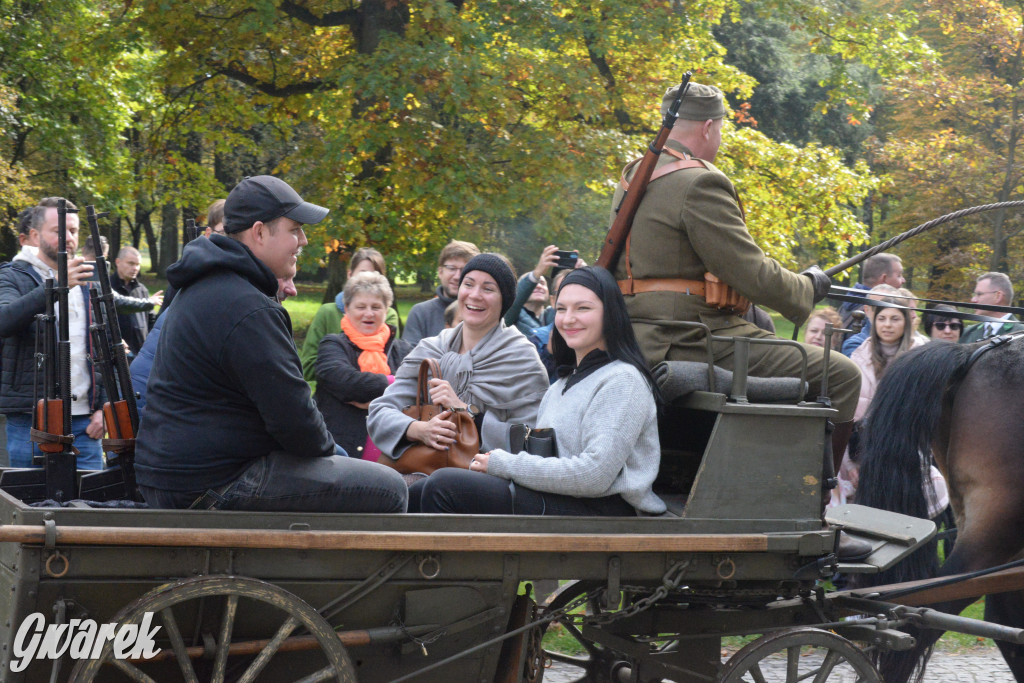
x=234 y=426
x=264 y=198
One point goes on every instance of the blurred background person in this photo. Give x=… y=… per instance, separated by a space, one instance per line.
x=942 y=327
x=814 y=333
x=426 y=319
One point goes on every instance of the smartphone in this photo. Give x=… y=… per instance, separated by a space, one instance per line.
x=566 y=259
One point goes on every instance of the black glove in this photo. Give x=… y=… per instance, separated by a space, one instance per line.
x=821 y=282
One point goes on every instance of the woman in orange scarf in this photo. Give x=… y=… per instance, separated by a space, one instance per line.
x=356 y=365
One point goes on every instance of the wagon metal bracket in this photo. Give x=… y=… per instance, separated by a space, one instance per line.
x=366 y=586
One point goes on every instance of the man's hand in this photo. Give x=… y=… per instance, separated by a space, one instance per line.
x=546 y=262
x=821 y=282
x=79 y=271
x=96 y=430
x=157 y=299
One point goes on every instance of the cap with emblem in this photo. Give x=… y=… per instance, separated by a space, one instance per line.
x=264 y=198
x=702 y=102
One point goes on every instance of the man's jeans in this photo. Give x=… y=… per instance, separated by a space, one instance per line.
x=281 y=482
x=21 y=448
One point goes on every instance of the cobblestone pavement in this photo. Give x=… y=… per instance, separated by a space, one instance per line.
x=977 y=665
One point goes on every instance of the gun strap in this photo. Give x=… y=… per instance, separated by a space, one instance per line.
x=37 y=436
x=117 y=445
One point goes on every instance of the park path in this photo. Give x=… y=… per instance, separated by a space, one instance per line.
x=974 y=665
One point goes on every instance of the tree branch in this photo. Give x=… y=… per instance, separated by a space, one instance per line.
x=300 y=88
x=347 y=17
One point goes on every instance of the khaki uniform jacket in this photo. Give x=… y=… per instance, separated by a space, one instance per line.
x=689 y=223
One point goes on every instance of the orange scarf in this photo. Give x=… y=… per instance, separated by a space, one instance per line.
x=372 y=358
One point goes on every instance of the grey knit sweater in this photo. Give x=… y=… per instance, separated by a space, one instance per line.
x=607 y=432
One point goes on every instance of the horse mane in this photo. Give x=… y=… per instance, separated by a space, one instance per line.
x=896 y=456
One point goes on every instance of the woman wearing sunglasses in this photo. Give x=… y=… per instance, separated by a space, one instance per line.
x=940 y=327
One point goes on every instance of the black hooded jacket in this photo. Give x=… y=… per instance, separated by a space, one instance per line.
x=226 y=386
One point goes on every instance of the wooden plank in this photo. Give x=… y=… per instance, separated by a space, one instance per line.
x=1003 y=581
x=396 y=540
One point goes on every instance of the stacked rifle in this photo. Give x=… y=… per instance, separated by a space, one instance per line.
x=120 y=412
x=59 y=479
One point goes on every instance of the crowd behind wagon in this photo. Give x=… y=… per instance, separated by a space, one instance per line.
x=499 y=395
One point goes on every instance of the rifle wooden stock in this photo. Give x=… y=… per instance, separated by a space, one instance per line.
x=618 y=233
x=49 y=418
x=118 y=420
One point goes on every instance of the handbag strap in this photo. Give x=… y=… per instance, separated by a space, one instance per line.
x=429 y=366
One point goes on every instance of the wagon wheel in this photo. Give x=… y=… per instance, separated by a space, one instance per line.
x=225 y=595
x=797 y=655
x=598 y=663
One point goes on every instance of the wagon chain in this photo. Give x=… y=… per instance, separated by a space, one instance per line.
x=669 y=582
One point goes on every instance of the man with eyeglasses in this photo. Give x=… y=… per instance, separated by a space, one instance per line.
x=426 y=319
x=992 y=289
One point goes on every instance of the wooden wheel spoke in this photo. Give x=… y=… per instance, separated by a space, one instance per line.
x=832 y=659
x=793 y=664
x=269 y=651
x=227 y=625
x=130 y=670
x=324 y=674
x=755 y=673
x=178 y=645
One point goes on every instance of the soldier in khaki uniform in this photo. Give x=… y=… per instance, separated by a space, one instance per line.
x=690 y=223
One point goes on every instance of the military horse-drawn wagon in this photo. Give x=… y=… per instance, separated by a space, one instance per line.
x=231 y=596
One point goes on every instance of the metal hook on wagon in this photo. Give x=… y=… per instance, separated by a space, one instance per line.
x=726 y=569
x=425 y=562
x=57 y=555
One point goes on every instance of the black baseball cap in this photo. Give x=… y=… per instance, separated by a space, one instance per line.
x=264 y=198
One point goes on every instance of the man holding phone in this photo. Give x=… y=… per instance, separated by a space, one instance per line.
x=530 y=310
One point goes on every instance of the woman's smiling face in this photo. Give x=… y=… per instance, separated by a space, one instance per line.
x=479 y=301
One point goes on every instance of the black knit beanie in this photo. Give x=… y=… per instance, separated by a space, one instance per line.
x=498 y=267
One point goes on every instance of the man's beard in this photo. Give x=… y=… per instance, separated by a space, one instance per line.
x=48 y=251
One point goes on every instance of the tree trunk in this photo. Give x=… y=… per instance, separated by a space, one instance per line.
x=168 y=237
x=144 y=225
x=336 y=272
x=114 y=236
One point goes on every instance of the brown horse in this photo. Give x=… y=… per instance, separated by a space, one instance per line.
x=966 y=407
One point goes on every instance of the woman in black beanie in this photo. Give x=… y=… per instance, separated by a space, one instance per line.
x=487 y=368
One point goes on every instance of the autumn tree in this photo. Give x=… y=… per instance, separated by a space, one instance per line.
x=952 y=139
x=431 y=120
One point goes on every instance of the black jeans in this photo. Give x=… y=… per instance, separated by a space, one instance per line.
x=281 y=482
x=454 y=490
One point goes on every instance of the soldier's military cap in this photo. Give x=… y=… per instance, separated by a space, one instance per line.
x=702 y=102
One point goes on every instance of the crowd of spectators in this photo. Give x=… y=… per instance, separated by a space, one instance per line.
x=483 y=326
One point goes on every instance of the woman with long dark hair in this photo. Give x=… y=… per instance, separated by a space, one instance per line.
x=604 y=417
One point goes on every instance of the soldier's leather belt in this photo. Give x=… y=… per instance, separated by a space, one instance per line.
x=662 y=284
x=714 y=292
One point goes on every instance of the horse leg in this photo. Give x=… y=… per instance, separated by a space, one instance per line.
x=1008 y=609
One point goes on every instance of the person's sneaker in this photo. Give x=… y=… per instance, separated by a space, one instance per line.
x=852 y=549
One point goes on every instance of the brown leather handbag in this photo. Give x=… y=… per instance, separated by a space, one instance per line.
x=422 y=458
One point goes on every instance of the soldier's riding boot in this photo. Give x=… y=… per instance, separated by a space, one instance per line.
x=850 y=549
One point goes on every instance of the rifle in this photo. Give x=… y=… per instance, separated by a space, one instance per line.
x=120 y=413
x=52 y=423
x=626 y=210
x=191 y=231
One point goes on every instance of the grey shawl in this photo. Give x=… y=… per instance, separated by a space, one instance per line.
x=502 y=375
